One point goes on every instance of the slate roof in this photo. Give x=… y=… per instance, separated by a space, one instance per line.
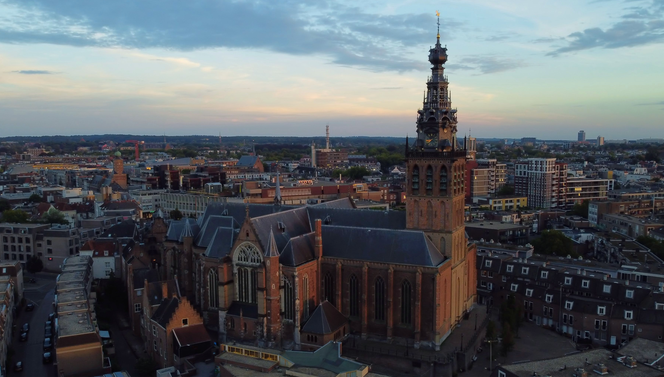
x=326 y=319
x=210 y=227
x=155 y=291
x=176 y=226
x=125 y=229
x=298 y=250
x=358 y=217
x=221 y=243
x=295 y=223
x=238 y=210
x=247 y=161
x=144 y=273
x=165 y=311
x=380 y=245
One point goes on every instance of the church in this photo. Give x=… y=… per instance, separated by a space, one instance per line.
x=297 y=277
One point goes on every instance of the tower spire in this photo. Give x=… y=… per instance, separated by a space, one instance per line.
x=438 y=33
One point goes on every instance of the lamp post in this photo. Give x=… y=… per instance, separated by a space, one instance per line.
x=490 y=353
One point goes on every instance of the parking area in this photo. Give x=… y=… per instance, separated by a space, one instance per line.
x=534 y=343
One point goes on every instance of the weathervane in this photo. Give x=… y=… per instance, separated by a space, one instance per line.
x=438 y=15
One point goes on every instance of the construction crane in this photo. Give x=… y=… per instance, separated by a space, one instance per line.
x=136 y=143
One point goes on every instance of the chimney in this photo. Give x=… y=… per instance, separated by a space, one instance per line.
x=145 y=284
x=164 y=289
x=318 y=247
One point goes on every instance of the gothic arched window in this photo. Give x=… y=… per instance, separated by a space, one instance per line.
x=354 y=296
x=289 y=300
x=248 y=254
x=406 y=309
x=305 y=295
x=379 y=299
x=443 y=180
x=247 y=285
x=415 y=178
x=329 y=287
x=213 y=289
x=429 y=180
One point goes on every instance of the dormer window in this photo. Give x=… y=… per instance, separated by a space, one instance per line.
x=487 y=263
x=514 y=287
x=585 y=283
x=629 y=314
x=601 y=310
x=544 y=274
x=629 y=293
x=549 y=298
x=529 y=292
x=510 y=268
x=569 y=305
x=524 y=270
x=607 y=288
x=568 y=280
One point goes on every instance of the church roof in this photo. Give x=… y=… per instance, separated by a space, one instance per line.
x=247 y=161
x=165 y=311
x=380 y=245
x=238 y=210
x=284 y=225
x=210 y=226
x=326 y=319
x=358 y=217
x=176 y=226
x=298 y=250
x=221 y=243
x=272 y=250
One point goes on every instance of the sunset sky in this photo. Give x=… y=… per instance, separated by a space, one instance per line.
x=517 y=67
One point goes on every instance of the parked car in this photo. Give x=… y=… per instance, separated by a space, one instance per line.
x=18 y=366
x=48 y=358
x=24 y=336
x=30 y=307
x=48 y=331
x=47 y=344
x=26 y=327
x=51 y=316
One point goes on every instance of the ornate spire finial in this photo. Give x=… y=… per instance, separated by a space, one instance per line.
x=438 y=34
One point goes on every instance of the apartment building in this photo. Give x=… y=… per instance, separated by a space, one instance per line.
x=628 y=225
x=189 y=204
x=19 y=240
x=543 y=181
x=638 y=208
x=7 y=288
x=54 y=245
x=579 y=299
x=484 y=178
x=581 y=189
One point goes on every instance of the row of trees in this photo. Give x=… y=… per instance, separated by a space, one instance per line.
x=356 y=172
x=17 y=216
x=554 y=242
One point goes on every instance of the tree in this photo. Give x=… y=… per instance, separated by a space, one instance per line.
x=357 y=172
x=4 y=205
x=506 y=190
x=491 y=330
x=553 y=242
x=581 y=209
x=34 y=264
x=175 y=214
x=15 y=216
x=507 y=343
x=652 y=155
x=35 y=198
x=53 y=216
x=657 y=247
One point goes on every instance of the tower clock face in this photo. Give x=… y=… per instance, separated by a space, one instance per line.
x=431 y=140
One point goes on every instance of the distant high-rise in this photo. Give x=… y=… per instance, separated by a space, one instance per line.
x=600 y=141
x=582 y=135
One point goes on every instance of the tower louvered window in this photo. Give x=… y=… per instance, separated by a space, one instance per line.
x=443 y=180
x=429 y=180
x=406 y=294
x=354 y=296
x=415 y=184
x=289 y=300
x=379 y=298
x=329 y=287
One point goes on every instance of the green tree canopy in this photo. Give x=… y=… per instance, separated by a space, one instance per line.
x=175 y=214
x=35 y=198
x=506 y=190
x=53 y=216
x=4 y=205
x=657 y=247
x=554 y=242
x=581 y=209
x=15 y=216
x=34 y=264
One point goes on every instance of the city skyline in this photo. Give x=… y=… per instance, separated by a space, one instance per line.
x=515 y=68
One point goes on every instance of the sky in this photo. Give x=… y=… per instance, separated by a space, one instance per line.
x=517 y=68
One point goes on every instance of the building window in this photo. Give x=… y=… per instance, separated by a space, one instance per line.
x=6 y=256
x=571 y=319
x=154 y=330
x=487 y=263
x=569 y=305
x=13 y=256
x=504 y=278
x=529 y=292
x=329 y=287
x=501 y=374
x=443 y=181
x=137 y=308
x=607 y=288
x=5 y=247
x=629 y=314
x=629 y=293
x=510 y=268
x=213 y=289
x=28 y=249
x=489 y=286
x=247 y=288
x=524 y=270
x=105 y=252
x=544 y=274
x=568 y=280
x=49 y=242
x=415 y=184
x=406 y=303
x=154 y=344
x=601 y=310
x=564 y=318
x=20 y=257
x=354 y=296
x=185 y=322
x=514 y=287
x=585 y=283
x=623 y=330
x=289 y=300
x=379 y=299
x=107 y=264
x=549 y=298
x=631 y=329
x=49 y=251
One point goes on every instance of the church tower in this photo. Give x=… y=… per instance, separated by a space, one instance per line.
x=436 y=166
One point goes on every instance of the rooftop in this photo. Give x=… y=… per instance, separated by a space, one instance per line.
x=495 y=225
x=81 y=259
x=74 y=323
x=69 y=276
x=74 y=295
x=566 y=365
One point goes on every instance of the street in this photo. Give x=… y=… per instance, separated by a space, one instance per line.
x=30 y=353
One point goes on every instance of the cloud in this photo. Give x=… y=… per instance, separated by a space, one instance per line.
x=178 y=61
x=660 y=103
x=486 y=64
x=347 y=35
x=642 y=26
x=34 y=72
